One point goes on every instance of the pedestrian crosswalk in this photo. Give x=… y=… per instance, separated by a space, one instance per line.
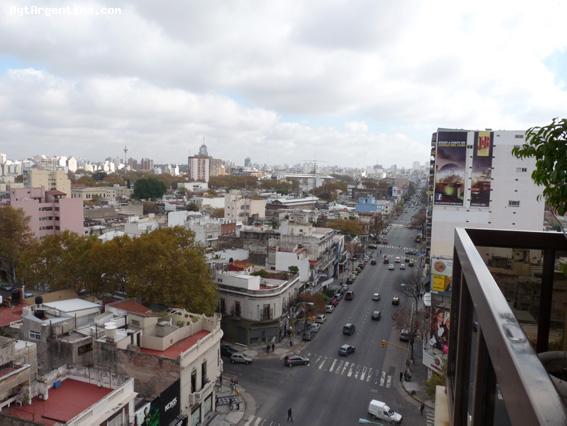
x=351 y=370
x=259 y=421
x=429 y=416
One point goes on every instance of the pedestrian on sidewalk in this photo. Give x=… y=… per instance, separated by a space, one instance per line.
x=268 y=348
x=401 y=376
x=273 y=347
x=421 y=408
x=289 y=416
x=290 y=342
x=220 y=379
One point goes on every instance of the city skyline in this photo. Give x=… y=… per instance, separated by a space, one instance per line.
x=345 y=83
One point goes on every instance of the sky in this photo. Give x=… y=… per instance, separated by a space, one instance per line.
x=345 y=82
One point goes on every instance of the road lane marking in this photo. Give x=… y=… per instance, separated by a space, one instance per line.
x=389 y=383
x=383 y=378
x=344 y=368
x=332 y=366
x=350 y=370
x=322 y=364
x=338 y=370
x=319 y=357
x=356 y=372
x=258 y=421
x=363 y=374
x=369 y=375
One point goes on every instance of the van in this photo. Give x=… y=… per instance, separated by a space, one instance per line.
x=349 y=295
x=379 y=410
x=349 y=329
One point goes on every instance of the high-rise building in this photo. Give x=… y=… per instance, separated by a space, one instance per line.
x=217 y=167
x=49 y=180
x=247 y=162
x=474 y=182
x=200 y=165
x=146 y=164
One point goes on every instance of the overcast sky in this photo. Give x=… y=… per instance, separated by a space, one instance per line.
x=351 y=82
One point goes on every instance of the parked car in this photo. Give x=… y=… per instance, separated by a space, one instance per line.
x=345 y=350
x=349 y=280
x=402 y=266
x=391 y=267
x=373 y=262
x=7 y=287
x=334 y=302
x=395 y=300
x=320 y=318
x=349 y=295
x=404 y=335
x=386 y=260
x=291 y=360
x=329 y=309
x=314 y=327
x=376 y=297
x=307 y=335
x=376 y=315
x=240 y=358
x=227 y=350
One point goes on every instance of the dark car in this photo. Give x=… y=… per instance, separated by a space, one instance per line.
x=349 y=280
x=386 y=260
x=372 y=246
x=349 y=295
x=334 y=301
x=376 y=315
x=349 y=329
x=373 y=262
x=410 y=263
x=404 y=335
x=345 y=350
x=291 y=360
x=395 y=300
x=227 y=350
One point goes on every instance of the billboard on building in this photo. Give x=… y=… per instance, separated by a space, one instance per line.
x=434 y=361
x=441 y=274
x=439 y=330
x=450 y=168
x=164 y=409
x=481 y=169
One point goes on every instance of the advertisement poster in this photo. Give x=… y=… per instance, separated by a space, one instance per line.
x=481 y=169
x=162 y=410
x=441 y=274
x=435 y=361
x=439 y=336
x=450 y=168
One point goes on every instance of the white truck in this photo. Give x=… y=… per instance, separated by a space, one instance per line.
x=380 y=410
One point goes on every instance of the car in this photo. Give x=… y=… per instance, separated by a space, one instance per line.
x=348 y=329
x=407 y=259
x=314 y=327
x=376 y=315
x=346 y=350
x=349 y=280
x=373 y=262
x=329 y=309
x=291 y=360
x=376 y=297
x=240 y=358
x=7 y=287
x=410 y=251
x=411 y=263
x=391 y=267
x=349 y=295
x=402 y=266
x=386 y=260
x=395 y=300
x=404 y=335
x=308 y=334
x=397 y=259
x=227 y=350
x=372 y=246
x=320 y=318
x=381 y=411
x=334 y=302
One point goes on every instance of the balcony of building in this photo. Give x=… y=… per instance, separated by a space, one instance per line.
x=508 y=308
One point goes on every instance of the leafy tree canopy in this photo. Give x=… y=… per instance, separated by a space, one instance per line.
x=149 y=188
x=346 y=226
x=15 y=236
x=233 y=182
x=548 y=145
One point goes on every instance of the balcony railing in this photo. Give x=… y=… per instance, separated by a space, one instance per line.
x=494 y=374
x=198 y=397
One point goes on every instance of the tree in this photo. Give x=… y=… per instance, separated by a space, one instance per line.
x=346 y=226
x=329 y=190
x=15 y=236
x=217 y=213
x=548 y=145
x=149 y=188
x=418 y=219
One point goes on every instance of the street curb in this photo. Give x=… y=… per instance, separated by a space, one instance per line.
x=414 y=397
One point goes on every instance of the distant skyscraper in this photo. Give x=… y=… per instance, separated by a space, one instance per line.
x=200 y=165
x=247 y=162
x=146 y=164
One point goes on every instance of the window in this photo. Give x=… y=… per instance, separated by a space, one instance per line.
x=237 y=308
x=36 y=335
x=521 y=169
x=512 y=203
x=85 y=348
x=193 y=381
x=204 y=379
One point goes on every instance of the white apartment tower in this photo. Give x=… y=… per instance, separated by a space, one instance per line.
x=200 y=165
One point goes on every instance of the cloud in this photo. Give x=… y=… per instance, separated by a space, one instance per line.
x=170 y=74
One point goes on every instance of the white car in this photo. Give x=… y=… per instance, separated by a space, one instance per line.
x=398 y=260
x=402 y=266
x=329 y=309
x=391 y=266
x=380 y=410
x=320 y=318
x=240 y=358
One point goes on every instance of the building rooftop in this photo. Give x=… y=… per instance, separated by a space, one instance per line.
x=72 y=305
x=133 y=307
x=174 y=351
x=64 y=403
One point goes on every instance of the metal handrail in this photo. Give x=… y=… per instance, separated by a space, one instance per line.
x=527 y=390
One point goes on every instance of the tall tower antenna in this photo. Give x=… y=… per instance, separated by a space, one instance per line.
x=125 y=163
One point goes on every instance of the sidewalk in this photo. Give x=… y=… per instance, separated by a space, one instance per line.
x=232 y=414
x=415 y=388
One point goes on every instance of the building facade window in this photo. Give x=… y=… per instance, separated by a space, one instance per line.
x=513 y=203
x=35 y=335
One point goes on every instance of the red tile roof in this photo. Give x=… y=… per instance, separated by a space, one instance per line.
x=64 y=403
x=177 y=349
x=133 y=307
x=7 y=315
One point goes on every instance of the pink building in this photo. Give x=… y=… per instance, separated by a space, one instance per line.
x=49 y=211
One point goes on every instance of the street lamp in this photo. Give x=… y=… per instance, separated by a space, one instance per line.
x=368 y=422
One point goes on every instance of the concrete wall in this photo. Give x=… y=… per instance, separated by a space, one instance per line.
x=286 y=259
